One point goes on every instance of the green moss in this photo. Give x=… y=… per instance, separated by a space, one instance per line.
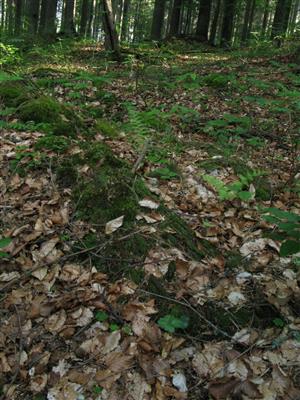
x=47 y=110
x=66 y=173
x=218 y=80
x=64 y=128
x=106 y=128
x=176 y=233
x=53 y=143
x=12 y=94
x=42 y=109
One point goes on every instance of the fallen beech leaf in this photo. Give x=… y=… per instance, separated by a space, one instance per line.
x=106 y=378
x=147 y=203
x=114 y=225
x=222 y=389
x=236 y=298
x=38 y=383
x=56 y=322
x=179 y=381
x=40 y=273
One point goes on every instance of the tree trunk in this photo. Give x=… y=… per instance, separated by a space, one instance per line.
x=214 y=25
x=68 y=27
x=265 y=18
x=294 y=16
x=228 y=21
x=84 y=17
x=136 y=26
x=32 y=16
x=111 y=40
x=10 y=17
x=203 y=20
x=251 y=19
x=244 y=37
x=49 y=25
x=175 y=18
x=158 y=19
x=18 y=16
x=281 y=18
x=125 y=20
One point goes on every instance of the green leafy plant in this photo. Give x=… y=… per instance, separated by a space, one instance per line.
x=101 y=316
x=4 y=242
x=288 y=229
x=229 y=125
x=165 y=173
x=170 y=323
x=235 y=190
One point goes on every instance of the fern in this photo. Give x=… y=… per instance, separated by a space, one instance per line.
x=136 y=122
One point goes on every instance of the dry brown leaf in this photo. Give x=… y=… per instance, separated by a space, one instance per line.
x=56 y=322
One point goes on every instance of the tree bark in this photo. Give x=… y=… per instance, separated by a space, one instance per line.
x=48 y=29
x=294 y=16
x=158 y=19
x=203 y=20
x=281 y=18
x=244 y=37
x=214 y=25
x=84 y=17
x=125 y=20
x=175 y=18
x=18 y=16
x=228 y=21
x=68 y=27
x=111 y=39
x=265 y=18
x=32 y=16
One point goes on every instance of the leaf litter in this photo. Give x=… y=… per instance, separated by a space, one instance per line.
x=52 y=343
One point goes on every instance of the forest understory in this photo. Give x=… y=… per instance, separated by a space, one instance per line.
x=149 y=224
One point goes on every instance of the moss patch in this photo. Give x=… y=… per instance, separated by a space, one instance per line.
x=42 y=109
x=106 y=128
x=12 y=94
x=47 y=110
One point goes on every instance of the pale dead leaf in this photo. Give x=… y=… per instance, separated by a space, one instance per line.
x=148 y=203
x=114 y=225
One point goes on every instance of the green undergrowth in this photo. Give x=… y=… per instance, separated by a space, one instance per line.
x=110 y=191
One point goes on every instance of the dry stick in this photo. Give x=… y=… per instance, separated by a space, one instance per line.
x=188 y=305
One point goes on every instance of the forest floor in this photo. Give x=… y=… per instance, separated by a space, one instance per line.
x=146 y=216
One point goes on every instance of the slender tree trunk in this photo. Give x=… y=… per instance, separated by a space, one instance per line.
x=244 y=37
x=175 y=18
x=228 y=21
x=251 y=19
x=203 y=19
x=124 y=28
x=137 y=20
x=2 y=16
x=84 y=16
x=188 y=19
x=49 y=29
x=281 y=18
x=32 y=16
x=43 y=16
x=214 y=25
x=158 y=19
x=111 y=41
x=10 y=17
x=68 y=27
x=265 y=18
x=18 y=16
x=294 y=16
